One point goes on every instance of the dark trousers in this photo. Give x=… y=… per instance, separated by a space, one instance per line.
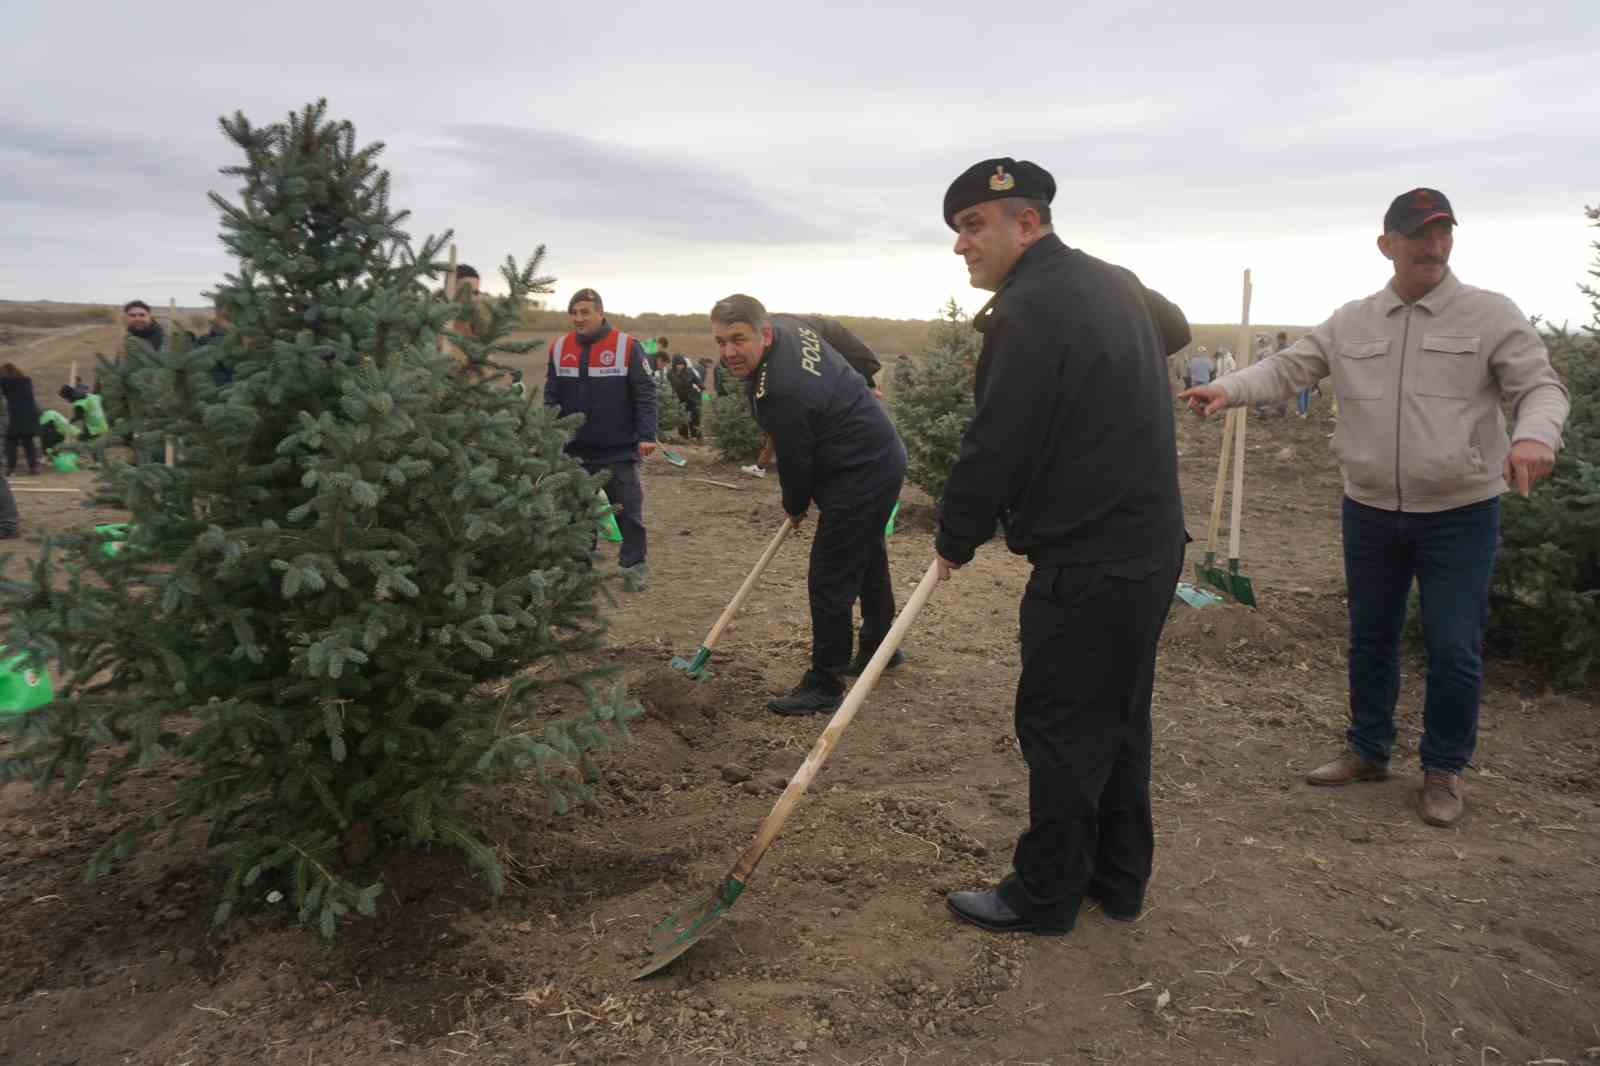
x=626 y=493
x=10 y=525
x=28 y=444
x=850 y=561
x=1450 y=554
x=1089 y=636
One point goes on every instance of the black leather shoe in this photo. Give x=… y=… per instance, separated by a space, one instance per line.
x=859 y=663
x=987 y=910
x=816 y=693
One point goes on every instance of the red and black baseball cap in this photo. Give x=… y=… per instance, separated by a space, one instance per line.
x=1412 y=210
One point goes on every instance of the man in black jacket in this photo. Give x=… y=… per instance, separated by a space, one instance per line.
x=1072 y=449
x=139 y=322
x=837 y=446
x=602 y=373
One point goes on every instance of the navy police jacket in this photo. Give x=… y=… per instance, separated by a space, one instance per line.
x=607 y=379
x=834 y=440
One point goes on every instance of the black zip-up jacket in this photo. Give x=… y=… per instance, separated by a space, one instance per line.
x=619 y=409
x=838 y=337
x=835 y=442
x=1073 y=445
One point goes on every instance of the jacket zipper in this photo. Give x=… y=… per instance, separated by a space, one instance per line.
x=1399 y=401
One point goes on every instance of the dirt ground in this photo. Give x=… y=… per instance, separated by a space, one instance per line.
x=1284 y=924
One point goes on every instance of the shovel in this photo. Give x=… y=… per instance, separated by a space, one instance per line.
x=682 y=930
x=1206 y=572
x=696 y=667
x=1238 y=584
x=673 y=457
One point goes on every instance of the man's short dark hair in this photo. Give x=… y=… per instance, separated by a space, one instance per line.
x=585 y=295
x=661 y=342
x=1015 y=205
x=1282 y=336
x=465 y=270
x=731 y=310
x=131 y=304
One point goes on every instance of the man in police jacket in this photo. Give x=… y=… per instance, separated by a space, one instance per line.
x=836 y=446
x=1072 y=448
x=602 y=373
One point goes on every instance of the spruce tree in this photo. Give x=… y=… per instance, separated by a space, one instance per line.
x=933 y=401
x=328 y=606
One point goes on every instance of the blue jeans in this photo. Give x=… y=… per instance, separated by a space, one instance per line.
x=1302 y=402
x=1451 y=556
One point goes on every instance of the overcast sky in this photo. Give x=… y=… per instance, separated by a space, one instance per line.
x=669 y=154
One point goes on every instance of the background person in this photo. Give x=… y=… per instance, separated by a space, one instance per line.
x=22 y=418
x=1072 y=449
x=1421 y=370
x=601 y=373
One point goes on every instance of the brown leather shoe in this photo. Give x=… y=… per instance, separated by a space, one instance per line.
x=1444 y=798
x=1346 y=767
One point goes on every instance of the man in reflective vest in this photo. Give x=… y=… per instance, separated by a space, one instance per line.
x=601 y=373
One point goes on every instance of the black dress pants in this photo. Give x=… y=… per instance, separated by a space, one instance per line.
x=850 y=561
x=1089 y=636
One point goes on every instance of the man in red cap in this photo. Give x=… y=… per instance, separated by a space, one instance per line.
x=1072 y=450
x=1421 y=370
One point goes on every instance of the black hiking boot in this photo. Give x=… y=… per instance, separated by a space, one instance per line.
x=859 y=664
x=817 y=693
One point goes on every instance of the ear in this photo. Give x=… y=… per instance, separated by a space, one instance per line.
x=1029 y=224
x=766 y=335
x=1386 y=245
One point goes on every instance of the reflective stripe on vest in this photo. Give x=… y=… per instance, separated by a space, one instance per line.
x=608 y=357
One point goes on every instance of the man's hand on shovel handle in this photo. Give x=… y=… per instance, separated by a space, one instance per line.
x=1528 y=462
x=946 y=567
x=1204 y=400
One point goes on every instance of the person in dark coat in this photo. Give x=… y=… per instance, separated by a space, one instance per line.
x=22 y=418
x=140 y=323
x=838 y=448
x=686 y=387
x=602 y=373
x=1072 y=449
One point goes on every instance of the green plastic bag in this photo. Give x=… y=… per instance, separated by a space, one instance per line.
x=22 y=686
x=113 y=537
x=608 y=524
x=888 y=529
x=65 y=462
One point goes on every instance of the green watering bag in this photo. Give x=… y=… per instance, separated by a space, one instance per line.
x=22 y=686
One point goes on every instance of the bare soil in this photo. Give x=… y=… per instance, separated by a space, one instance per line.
x=1285 y=924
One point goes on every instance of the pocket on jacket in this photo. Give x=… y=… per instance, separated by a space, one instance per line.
x=1363 y=369
x=1449 y=367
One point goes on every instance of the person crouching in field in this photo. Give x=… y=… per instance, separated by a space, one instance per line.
x=835 y=446
x=1421 y=370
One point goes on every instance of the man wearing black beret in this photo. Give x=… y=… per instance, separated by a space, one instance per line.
x=1072 y=449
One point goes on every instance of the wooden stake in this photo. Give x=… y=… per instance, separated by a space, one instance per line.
x=171 y=451
x=447 y=347
x=719 y=484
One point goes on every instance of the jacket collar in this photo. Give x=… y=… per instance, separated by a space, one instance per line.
x=1046 y=247
x=1433 y=302
x=603 y=330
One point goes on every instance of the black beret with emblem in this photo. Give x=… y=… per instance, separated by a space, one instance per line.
x=996 y=179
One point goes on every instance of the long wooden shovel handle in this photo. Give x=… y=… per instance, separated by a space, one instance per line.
x=749 y=583
x=836 y=726
x=1222 y=481
x=1238 y=438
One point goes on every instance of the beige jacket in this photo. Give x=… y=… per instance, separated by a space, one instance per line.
x=1421 y=389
